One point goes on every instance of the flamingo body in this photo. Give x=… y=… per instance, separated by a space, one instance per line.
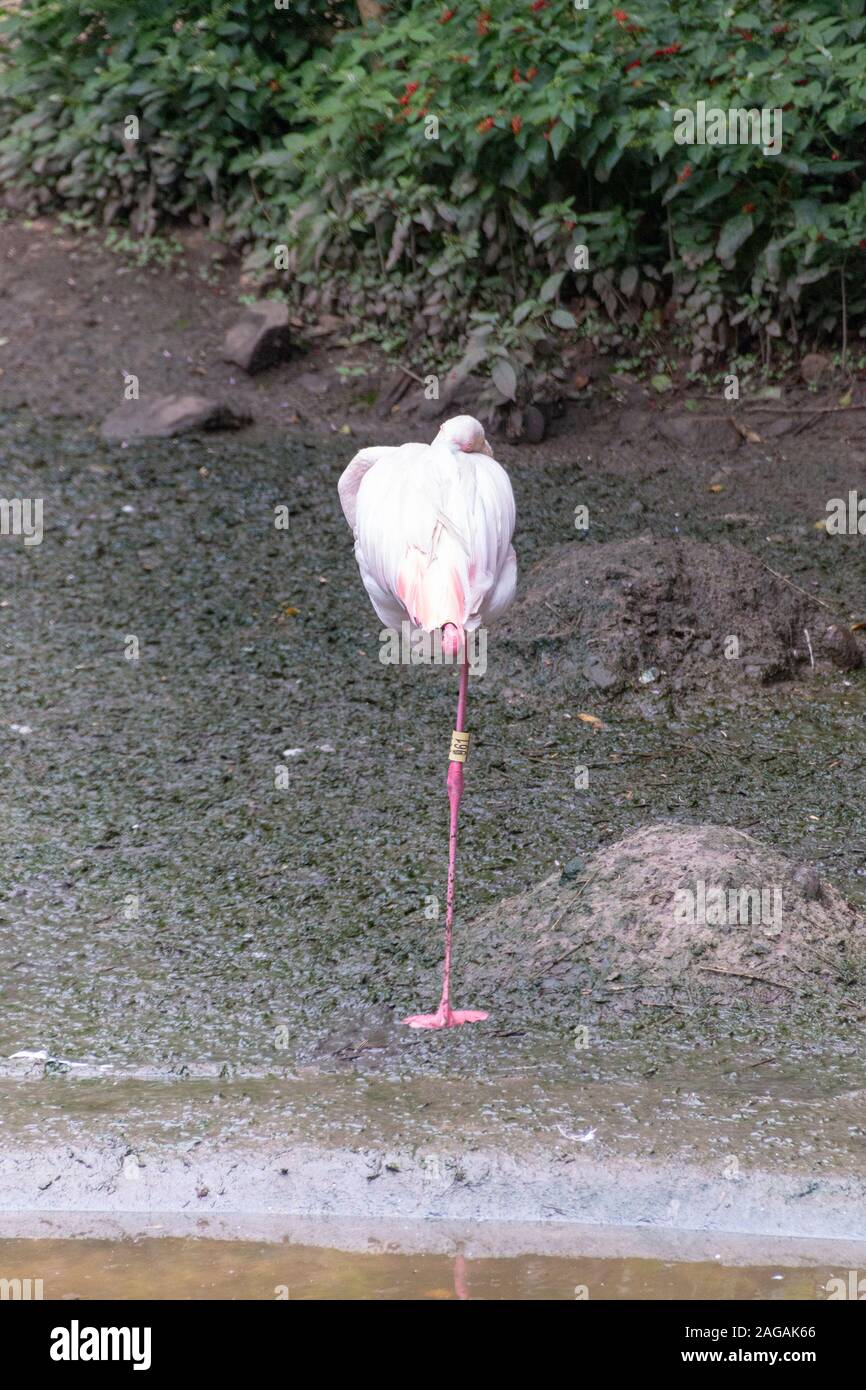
x=433 y=526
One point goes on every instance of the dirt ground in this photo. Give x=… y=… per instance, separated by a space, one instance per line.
x=195 y=954
x=76 y=316
x=675 y=915
x=682 y=616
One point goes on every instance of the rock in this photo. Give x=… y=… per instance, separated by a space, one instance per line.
x=315 y=382
x=161 y=417
x=572 y=870
x=813 y=368
x=261 y=338
x=694 y=432
x=842 y=647
x=534 y=424
x=600 y=675
x=431 y=409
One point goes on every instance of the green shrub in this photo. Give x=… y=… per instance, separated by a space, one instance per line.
x=302 y=129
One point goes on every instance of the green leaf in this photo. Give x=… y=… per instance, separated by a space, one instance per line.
x=550 y=289
x=563 y=319
x=558 y=139
x=735 y=231
x=505 y=379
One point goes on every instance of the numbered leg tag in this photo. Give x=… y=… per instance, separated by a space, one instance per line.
x=459 y=747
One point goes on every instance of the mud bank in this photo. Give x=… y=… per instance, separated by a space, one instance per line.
x=675 y=915
x=509 y=1204
x=681 y=616
x=726 y=1139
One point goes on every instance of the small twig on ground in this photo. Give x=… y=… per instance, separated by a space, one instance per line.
x=554 y=963
x=833 y=966
x=551 y=965
x=809 y=645
x=413 y=375
x=744 y=975
x=750 y=1066
x=799 y=589
x=805 y=424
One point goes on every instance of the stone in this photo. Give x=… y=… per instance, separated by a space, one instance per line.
x=813 y=368
x=534 y=424
x=161 y=417
x=316 y=383
x=574 y=869
x=601 y=676
x=842 y=647
x=261 y=338
x=696 y=432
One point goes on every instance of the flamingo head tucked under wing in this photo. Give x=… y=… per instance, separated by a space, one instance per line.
x=465 y=433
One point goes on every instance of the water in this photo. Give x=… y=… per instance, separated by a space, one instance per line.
x=190 y=1268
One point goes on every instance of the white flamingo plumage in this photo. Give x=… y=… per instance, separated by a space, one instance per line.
x=433 y=526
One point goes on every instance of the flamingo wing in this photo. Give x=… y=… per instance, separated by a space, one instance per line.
x=433 y=533
x=433 y=526
x=353 y=475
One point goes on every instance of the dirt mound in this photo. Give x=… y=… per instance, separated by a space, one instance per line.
x=675 y=614
x=667 y=912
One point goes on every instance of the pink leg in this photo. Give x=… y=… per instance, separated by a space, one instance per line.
x=445 y=1016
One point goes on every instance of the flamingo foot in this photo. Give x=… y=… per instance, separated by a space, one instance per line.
x=446 y=1017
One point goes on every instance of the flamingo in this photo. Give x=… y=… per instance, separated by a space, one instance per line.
x=433 y=526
